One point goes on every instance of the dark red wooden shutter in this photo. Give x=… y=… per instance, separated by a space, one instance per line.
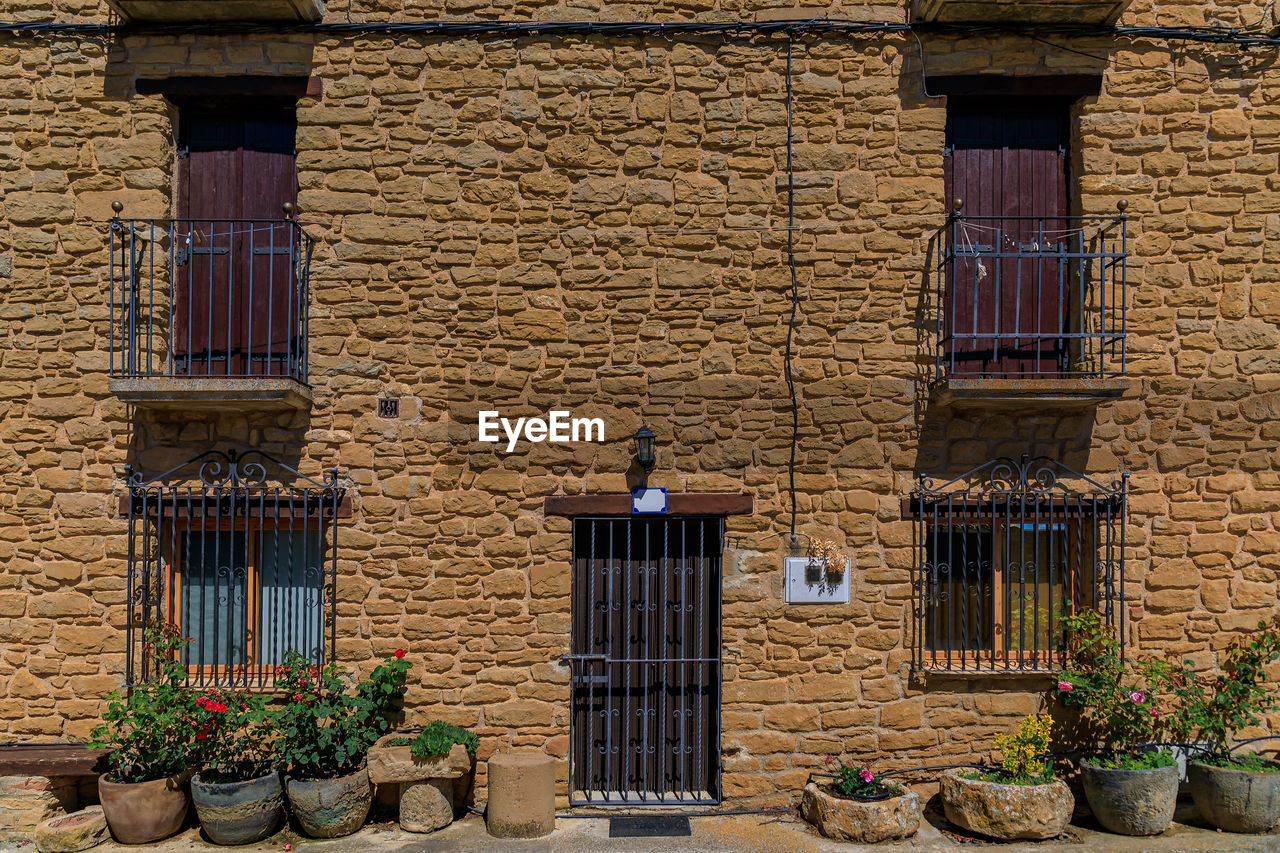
x=235 y=299
x=1008 y=164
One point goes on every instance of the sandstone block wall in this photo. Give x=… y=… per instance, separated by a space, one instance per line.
x=599 y=224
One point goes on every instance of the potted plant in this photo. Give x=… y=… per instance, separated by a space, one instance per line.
x=1133 y=788
x=323 y=736
x=149 y=734
x=237 y=793
x=858 y=806
x=1022 y=799
x=1238 y=793
x=428 y=770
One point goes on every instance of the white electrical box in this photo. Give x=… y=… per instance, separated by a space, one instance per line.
x=801 y=589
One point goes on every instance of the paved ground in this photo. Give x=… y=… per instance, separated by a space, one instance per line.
x=774 y=833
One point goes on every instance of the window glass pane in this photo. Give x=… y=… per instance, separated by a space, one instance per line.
x=1035 y=567
x=290 y=565
x=958 y=578
x=214 y=604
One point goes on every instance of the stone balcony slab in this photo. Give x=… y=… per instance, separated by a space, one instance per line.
x=217 y=11
x=1092 y=12
x=1057 y=393
x=208 y=393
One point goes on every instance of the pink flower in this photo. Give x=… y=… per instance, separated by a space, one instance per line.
x=866 y=776
x=1066 y=686
x=287 y=847
x=1137 y=697
x=826 y=761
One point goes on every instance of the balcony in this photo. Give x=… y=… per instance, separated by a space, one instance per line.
x=1092 y=12
x=217 y=11
x=209 y=313
x=1030 y=311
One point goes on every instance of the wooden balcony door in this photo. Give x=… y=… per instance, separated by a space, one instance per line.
x=1008 y=295
x=236 y=299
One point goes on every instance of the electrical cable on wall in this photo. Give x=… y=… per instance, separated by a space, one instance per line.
x=795 y=296
x=744 y=29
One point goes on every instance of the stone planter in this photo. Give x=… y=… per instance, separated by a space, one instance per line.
x=1235 y=800
x=143 y=812
x=427 y=786
x=1007 y=812
x=239 y=812
x=862 y=821
x=330 y=808
x=73 y=832
x=1131 y=802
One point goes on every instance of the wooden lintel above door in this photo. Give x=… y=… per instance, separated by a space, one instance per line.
x=678 y=503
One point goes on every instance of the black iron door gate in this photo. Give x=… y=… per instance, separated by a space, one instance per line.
x=645 y=662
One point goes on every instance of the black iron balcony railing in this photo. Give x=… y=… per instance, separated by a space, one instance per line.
x=1023 y=297
x=208 y=298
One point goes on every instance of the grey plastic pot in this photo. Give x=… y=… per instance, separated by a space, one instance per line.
x=331 y=808
x=1235 y=800
x=1131 y=802
x=239 y=812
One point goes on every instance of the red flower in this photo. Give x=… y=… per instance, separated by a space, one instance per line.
x=399 y=653
x=297 y=697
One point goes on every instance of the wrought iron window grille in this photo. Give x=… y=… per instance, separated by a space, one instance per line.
x=237 y=550
x=1003 y=552
x=1027 y=297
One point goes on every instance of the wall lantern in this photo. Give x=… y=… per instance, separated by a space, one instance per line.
x=645 y=454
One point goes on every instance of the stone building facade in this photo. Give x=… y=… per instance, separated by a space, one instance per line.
x=602 y=222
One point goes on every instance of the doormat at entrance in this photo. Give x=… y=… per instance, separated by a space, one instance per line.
x=649 y=826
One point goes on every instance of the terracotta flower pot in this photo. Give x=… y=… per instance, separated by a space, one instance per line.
x=239 y=812
x=861 y=821
x=1131 y=802
x=1007 y=812
x=143 y=812
x=331 y=808
x=1236 y=800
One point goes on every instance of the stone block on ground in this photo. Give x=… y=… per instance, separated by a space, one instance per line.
x=522 y=795
x=71 y=833
x=426 y=805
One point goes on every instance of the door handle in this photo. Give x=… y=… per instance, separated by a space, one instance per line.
x=582 y=658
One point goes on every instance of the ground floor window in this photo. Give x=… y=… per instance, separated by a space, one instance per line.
x=241 y=565
x=1004 y=554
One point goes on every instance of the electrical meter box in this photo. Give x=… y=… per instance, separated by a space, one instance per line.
x=806 y=583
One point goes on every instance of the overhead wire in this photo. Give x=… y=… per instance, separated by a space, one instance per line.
x=515 y=29
x=788 y=367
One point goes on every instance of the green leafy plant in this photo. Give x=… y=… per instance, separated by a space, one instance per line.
x=438 y=737
x=858 y=782
x=1144 y=761
x=150 y=731
x=1213 y=707
x=1118 y=708
x=234 y=736
x=1024 y=753
x=324 y=732
x=1250 y=762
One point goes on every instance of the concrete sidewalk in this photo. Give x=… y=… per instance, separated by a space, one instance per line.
x=776 y=833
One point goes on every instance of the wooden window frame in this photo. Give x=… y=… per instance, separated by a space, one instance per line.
x=242 y=675
x=997 y=658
